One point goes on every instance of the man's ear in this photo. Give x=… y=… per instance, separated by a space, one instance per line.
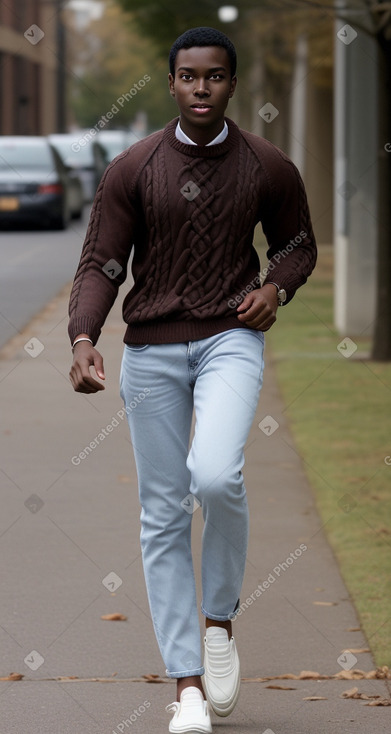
x=171 y=84
x=234 y=82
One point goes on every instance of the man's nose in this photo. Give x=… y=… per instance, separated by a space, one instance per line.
x=201 y=87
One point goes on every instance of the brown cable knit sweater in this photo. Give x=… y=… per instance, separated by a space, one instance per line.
x=189 y=212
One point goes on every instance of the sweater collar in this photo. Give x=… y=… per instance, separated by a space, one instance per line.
x=202 y=151
x=180 y=135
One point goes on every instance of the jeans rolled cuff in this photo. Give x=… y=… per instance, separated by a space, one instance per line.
x=186 y=673
x=220 y=617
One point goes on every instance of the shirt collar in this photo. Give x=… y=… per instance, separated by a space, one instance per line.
x=185 y=139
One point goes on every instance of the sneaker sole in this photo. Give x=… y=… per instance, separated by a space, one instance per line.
x=197 y=730
x=215 y=707
x=220 y=711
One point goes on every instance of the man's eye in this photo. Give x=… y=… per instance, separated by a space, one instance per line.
x=186 y=77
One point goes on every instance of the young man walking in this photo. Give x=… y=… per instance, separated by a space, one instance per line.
x=186 y=201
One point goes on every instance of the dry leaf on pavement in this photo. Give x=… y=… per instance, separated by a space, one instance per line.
x=381 y=673
x=356 y=650
x=380 y=702
x=13 y=676
x=325 y=603
x=375 y=700
x=282 y=688
x=351 y=693
x=354 y=674
x=115 y=617
x=309 y=675
x=315 y=698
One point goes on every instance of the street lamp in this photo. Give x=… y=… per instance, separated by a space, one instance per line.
x=228 y=13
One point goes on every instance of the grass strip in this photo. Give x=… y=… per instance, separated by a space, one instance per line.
x=338 y=409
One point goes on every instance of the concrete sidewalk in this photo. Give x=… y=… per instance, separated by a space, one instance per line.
x=69 y=549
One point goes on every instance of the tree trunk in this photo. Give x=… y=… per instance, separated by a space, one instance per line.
x=381 y=348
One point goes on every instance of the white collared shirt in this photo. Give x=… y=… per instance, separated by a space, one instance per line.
x=185 y=139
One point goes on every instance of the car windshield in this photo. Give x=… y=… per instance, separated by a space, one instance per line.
x=73 y=152
x=113 y=147
x=24 y=155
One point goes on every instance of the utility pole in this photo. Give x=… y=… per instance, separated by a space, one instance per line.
x=61 y=112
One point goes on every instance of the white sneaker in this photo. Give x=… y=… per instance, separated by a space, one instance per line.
x=191 y=715
x=222 y=671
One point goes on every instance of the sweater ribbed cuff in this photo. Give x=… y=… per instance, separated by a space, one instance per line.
x=83 y=325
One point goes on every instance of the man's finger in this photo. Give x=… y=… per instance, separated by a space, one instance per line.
x=83 y=381
x=246 y=303
x=257 y=309
x=98 y=364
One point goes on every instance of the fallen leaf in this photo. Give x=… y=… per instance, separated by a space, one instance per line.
x=115 y=617
x=380 y=702
x=354 y=674
x=381 y=672
x=152 y=678
x=124 y=478
x=67 y=677
x=376 y=700
x=281 y=688
x=354 y=629
x=13 y=676
x=315 y=698
x=356 y=650
x=350 y=693
x=325 y=603
x=308 y=675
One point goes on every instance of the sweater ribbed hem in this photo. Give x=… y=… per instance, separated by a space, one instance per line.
x=163 y=332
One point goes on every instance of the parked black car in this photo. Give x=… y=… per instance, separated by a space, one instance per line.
x=35 y=184
x=75 y=150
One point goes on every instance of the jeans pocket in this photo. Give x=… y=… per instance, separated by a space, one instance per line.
x=137 y=347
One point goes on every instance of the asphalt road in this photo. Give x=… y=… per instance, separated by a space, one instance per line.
x=35 y=266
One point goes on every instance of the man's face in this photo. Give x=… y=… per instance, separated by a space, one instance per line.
x=202 y=87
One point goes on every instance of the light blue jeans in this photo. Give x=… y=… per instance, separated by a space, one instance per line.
x=220 y=377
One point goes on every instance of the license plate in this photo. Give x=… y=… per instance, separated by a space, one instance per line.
x=9 y=204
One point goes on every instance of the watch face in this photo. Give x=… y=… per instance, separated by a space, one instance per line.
x=281 y=295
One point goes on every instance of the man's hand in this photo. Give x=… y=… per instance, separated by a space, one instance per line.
x=259 y=308
x=85 y=356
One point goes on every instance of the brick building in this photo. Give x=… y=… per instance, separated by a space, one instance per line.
x=31 y=70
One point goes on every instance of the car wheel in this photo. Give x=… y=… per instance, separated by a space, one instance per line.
x=61 y=222
x=77 y=215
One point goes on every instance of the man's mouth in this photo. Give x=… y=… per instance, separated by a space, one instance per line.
x=200 y=108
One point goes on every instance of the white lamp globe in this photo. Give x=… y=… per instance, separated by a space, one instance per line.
x=227 y=13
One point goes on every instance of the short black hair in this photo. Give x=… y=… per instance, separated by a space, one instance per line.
x=203 y=36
